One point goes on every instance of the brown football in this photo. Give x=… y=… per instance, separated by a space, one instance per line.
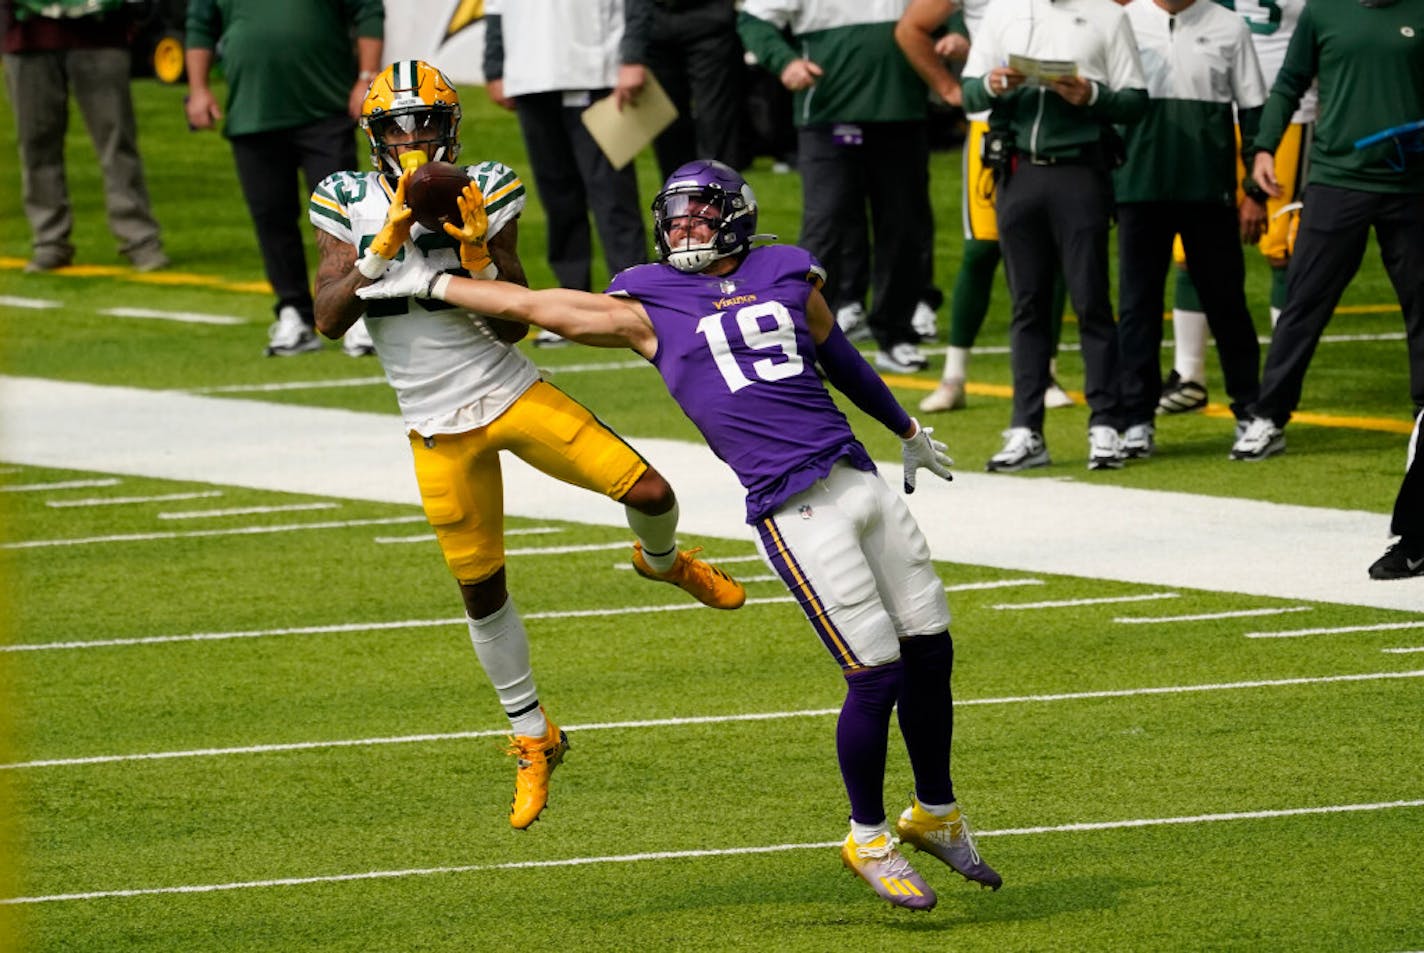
x=432 y=191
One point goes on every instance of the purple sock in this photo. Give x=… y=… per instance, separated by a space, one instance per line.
x=861 y=736
x=926 y=713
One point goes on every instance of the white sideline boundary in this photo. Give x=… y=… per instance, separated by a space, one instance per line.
x=1004 y=521
x=1076 y=828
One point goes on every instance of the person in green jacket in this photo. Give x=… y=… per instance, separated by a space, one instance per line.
x=1055 y=76
x=1368 y=56
x=294 y=90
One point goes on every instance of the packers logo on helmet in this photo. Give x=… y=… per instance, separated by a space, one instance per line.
x=411 y=103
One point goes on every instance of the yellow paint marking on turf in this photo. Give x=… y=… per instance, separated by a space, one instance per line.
x=1381 y=424
x=171 y=278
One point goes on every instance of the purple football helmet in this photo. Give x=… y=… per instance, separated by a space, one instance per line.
x=720 y=197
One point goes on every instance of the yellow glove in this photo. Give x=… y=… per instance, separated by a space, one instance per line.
x=393 y=234
x=474 y=254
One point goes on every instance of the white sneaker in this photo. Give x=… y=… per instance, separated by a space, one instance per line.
x=1139 y=441
x=949 y=395
x=851 y=318
x=1056 y=397
x=902 y=358
x=1104 y=449
x=925 y=323
x=1261 y=439
x=549 y=339
x=1023 y=450
x=357 y=340
x=290 y=335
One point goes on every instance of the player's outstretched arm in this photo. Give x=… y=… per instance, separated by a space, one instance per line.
x=595 y=319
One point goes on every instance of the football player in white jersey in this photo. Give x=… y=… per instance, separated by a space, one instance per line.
x=466 y=392
x=1272 y=22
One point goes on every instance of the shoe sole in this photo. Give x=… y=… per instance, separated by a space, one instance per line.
x=1027 y=463
x=1116 y=463
x=1266 y=454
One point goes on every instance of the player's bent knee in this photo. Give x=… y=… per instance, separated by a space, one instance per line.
x=650 y=494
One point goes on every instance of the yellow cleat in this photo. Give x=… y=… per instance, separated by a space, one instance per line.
x=537 y=759
x=705 y=582
x=888 y=873
x=949 y=839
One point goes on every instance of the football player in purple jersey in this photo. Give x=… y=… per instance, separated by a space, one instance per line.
x=737 y=333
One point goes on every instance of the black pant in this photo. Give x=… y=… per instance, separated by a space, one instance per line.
x=1334 y=230
x=697 y=57
x=889 y=168
x=1210 y=235
x=574 y=177
x=1409 y=504
x=267 y=166
x=1052 y=216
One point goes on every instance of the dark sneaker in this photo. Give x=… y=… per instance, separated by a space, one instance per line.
x=1179 y=396
x=1400 y=561
x=889 y=874
x=1261 y=439
x=949 y=839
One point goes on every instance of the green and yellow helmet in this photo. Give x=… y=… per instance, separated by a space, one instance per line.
x=418 y=99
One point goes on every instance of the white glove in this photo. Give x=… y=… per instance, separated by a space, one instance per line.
x=413 y=279
x=922 y=450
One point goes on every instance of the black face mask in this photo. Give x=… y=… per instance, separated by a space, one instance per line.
x=1375 y=4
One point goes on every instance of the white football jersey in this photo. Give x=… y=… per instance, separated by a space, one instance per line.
x=449 y=370
x=1272 y=24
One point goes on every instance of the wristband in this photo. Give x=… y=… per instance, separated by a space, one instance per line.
x=372 y=265
x=1254 y=191
x=440 y=285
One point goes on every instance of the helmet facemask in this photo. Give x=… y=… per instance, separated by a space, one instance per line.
x=411 y=105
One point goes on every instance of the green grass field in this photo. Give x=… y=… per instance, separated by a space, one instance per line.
x=218 y=738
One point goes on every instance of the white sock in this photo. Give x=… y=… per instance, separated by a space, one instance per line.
x=865 y=833
x=502 y=646
x=956 y=363
x=1189 y=331
x=658 y=534
x=938 y=810
x=1275 y=316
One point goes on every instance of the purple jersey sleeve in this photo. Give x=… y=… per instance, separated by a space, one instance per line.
x=736 y=354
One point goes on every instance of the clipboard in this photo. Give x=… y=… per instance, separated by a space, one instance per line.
x=622 y=135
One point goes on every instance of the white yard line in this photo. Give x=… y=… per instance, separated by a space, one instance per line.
x=1071 y=603
x=185 y=317
x=1080 y=827
x=247 y=511
x=1207 y=616
x=1404 y=650
x=121 y=500
x=59 y=485
x=1339 y=630
x=426 y=623
x=34 y=304
x=430 y=537
x=643 y=725
x=191 y=534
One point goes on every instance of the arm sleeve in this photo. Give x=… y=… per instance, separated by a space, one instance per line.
x=369 y=18
x=204 y=25
x=1297 y=73
x=763 y=40
x=637 y=31
x=851 y=375
x=1123 y=99
x=494 y=47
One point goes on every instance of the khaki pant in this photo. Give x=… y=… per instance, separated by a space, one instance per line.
x=39 y=85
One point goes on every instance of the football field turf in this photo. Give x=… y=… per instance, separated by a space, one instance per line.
x=241 y=710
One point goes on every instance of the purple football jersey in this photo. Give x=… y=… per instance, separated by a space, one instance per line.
x=737 y=356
